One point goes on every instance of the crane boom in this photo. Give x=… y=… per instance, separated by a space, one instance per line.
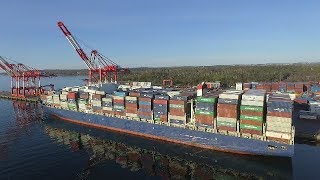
x=75 y=45
x=7 y=67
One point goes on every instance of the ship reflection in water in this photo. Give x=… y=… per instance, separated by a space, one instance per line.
x=159 y=160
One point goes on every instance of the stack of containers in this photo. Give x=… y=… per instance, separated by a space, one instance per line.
x=247 y=86
x=267 y=87
x=132 y=106
x=49 y=100
x=160 y=108
x=107 y=104
x=314 y=106
x=64 y=100
x=275 y=86
x=145 y=106
x=119 y=103
x=254 y=85
x=56 y=100
x=252 y=112
x=279 y=118
x=72 y=101
x=298 y=88
x=228 y=110
x=83 y=101
x=179 y=110
x=96 y=103
x=239 y=86
x=290 y=87
x=282 y=87
x=205 y=111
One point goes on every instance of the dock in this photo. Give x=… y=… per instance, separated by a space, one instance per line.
x=7 y=95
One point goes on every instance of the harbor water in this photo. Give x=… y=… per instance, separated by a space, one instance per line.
x=36 y=146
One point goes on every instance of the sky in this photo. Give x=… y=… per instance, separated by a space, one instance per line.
x=153 y=33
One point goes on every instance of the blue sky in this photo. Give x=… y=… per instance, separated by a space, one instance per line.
x=162 y=33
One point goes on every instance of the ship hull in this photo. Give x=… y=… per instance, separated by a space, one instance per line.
x=189 y=137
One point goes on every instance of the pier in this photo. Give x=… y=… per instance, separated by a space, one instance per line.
x=7 y=95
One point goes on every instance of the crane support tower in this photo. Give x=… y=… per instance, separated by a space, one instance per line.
x=101 y=69
x=25 y=80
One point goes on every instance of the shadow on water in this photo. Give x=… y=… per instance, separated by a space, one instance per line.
x=159 y=160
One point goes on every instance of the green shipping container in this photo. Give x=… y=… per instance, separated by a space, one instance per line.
x=205 y=113
x=176 y=106
x=255 y=118
x=248 y=126
x=156 y=119
x=229 y=124
x=207 y=100
x=251 y=108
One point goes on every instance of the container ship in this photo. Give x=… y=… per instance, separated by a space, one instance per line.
x=249 y=122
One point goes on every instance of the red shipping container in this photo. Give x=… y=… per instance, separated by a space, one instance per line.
x=251 y=122
x=180 y=102
x=134 y=94
x=107 y=112
x=251 y=113
x=72 y=95
x=227 y=128
x=177 y=111
x=160 y=101
x=280 y=114
x=275 y=86
x=145 y=99
x=129 y=105
x=120 y=101
x=119 y=113
x=203 y=119
x=97 y=96
x=163 y=118
x=144 y=107
x=228 y=106
x=133 y=111
x=251 y=131
x=227 y=113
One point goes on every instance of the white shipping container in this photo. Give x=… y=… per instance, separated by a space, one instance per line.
x=129 y=98
x=279 y=128
x=64 y=93
x=182 y=118
x=49 y=97
x=279 y=135
x=132 y=115
x=226 y=95
x=107 y=99
x=107 y=108
x=100 y=92
x=252 y=102
x=75 y=89
x=96 y=103
x=225 y=119
x=253 y=97
x=118 y=97
x=275 y=119
x=239 y=86
x=64 y=104
x=83 y=106
x=63 y=97
x=199 y=92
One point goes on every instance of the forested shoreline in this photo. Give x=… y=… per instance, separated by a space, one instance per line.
x=226 y=74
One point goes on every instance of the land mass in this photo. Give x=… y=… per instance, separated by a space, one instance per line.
x=228 y=74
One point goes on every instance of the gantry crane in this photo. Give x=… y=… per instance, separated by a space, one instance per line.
x=25 y=80
x=100 y=67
